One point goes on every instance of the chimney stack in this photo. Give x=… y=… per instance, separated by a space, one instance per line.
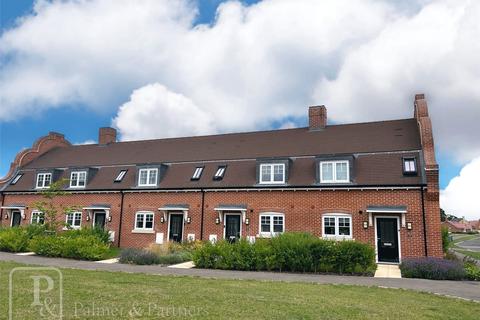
x=317 y=117
x=107 y=135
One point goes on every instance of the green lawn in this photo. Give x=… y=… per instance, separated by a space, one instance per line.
x=96 y=294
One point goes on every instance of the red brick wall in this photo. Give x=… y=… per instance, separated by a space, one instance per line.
x=302 y=209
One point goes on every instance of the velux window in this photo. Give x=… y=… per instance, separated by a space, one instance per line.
x=78 y=179
x=44 y=180
x=334 y=171
x=271 y=224
x=120 y=176
x=220 y=173
x=197 y=173
x=272 y=173
x=337 y=226
x=74 y=219
x=144 y=221
x=147 y=177
x=17 y=177
x=409 y=166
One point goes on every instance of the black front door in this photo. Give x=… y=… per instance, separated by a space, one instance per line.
x=176 y=227
x=16 y=218
x=100 y=217
x=232 y=227
x=387 y=240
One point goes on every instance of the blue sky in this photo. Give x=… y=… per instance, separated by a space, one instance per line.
x=257 y=66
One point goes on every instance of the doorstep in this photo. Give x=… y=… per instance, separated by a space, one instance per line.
x=388 y=271
x=114 y=260
x=184 y=265
x=25 y=253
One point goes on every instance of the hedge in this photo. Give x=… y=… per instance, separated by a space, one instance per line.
x=294 y=252
x=432 y=268
x=17 y=239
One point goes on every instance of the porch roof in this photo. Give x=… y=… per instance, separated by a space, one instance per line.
x=387 y=209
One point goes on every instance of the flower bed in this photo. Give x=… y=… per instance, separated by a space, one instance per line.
x=439 y=269
x=166 y=254
x=294 y=252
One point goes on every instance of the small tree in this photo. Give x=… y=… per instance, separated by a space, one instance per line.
x=47 y=208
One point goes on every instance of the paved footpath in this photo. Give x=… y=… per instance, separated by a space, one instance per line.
x=462 y=289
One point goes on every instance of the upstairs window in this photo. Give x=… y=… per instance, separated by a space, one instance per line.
x=17 y=177
x=197 y=173
x=409 y=166
x=120 y=176
x=44 y=180
x=37 y=217
x=78 y=179
x=147 y=177
x=220 y=173
x=337 y=226
x=334 y=171
x=74 y=219
x=271 y=173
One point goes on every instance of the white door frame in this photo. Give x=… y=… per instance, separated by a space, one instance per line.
x=398 y=237
x=95 y=217
x=225 y=214
x=183 y=223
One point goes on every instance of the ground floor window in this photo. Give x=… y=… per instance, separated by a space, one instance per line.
x=37 y=217
x=271 y=224
x=74 y=219
x=144 y=220
x=337 y=225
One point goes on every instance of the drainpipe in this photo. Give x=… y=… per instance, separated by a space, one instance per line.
x=121 y=218
x=424 y=223
x=203 y=213
x=1 y=210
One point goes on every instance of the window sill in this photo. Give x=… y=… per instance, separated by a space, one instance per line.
x=338 y=238
x=143 y=231
x=268 y=235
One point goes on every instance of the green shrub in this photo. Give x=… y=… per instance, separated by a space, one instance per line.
x=17 y=239
x=445 y=239
x=99 y=233
x=296 y=252
x=79 y=247
x=138 y=256
x=472 y=271
x=174 y=258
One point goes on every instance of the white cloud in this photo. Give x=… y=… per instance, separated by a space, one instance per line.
x=253 y=66
x=167 y=114
x=460 y=197
x=89 y=141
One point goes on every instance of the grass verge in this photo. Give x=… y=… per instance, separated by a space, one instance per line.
x=114 y=295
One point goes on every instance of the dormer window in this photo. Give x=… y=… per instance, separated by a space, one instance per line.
x=409 y=166
x=197 y=173
x=78 y=179
x=272 y=173
x=334 y=171
x=120 y=176
x=43 y=180
x=17 y=177
x=147 y=177
x=220 y=173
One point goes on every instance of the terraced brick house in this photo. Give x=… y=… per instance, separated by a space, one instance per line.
x=373 y=182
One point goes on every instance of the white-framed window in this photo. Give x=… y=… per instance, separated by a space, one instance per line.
x=120 y=175
x=37 y=217
x=337 y=225
x=197 y=173
x=147 y=177
x=409 y=166
x=334 y=171
x=44 y=180
x=74 y=219
x=271 y=173
x=78 y=179
x=220 y=173
x=271 y=224
x=144 y=220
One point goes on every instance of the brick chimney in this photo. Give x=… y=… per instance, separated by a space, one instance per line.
x=317 y=117
x=107 y=135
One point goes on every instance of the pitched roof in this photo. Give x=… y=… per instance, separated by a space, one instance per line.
x=378 y=148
